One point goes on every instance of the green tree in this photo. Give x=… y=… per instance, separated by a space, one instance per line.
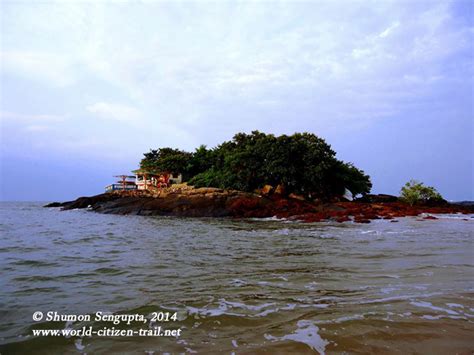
x=302 y=162
x=415 y=192
x=201 y=161
x=166 y=160
x=355 y=180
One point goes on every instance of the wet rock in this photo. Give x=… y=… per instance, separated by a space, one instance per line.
x=84 y=202
x=361 y=220
x=54 y=204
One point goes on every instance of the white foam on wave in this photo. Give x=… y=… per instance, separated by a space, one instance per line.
x=395 y=298
x=387 y=290
x=273 y=284
x=78 y=344
x=284 y=231
x=289 y=307
x=431 y=317
x=281 y=277
x=269 y=219
x=211 y=312
x=312 y=286
x=389 y=276
x=306 y=333
x=441 y=316
x=429 y=305
x=343 y=319
x=246 y=306
x=225 y=307
x=370 y=231
x=253 y=311
x=458 y=216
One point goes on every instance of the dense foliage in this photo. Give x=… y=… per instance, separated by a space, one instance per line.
x=166 y=159
x=414 y=192
x=303 y=163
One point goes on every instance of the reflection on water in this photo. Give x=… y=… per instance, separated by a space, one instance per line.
x=243 y=286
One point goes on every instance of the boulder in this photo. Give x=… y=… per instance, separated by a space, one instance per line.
x=280 y=189
x=296 y=197
x=266 y=190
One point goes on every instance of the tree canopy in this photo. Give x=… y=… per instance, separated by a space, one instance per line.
x=303 y=163
x=166 y=160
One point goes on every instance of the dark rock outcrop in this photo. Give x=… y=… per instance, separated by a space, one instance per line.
x=212 y=202
x=54 y=204
x=377 y=198
x=84 y=202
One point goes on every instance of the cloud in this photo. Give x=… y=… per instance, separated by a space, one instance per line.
x=37 y=128
x=190 y=65
x=389 y=30
x=20 y=117
x=115 y=112
x=51 y=68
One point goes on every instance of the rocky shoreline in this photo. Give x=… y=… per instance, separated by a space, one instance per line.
x=213 y=202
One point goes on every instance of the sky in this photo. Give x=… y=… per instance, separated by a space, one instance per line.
x=88 y=86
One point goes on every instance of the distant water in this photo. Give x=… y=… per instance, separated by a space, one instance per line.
x=243 y=286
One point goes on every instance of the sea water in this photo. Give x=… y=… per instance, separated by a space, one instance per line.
x=243 y=286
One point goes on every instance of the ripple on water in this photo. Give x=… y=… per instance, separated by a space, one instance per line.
x=34 y=263
x=110 y=271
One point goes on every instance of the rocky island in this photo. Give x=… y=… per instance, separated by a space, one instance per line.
x=257 y=175
x=215 y=202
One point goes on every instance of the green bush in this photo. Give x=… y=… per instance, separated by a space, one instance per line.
x=414 y=192
x=208 y=178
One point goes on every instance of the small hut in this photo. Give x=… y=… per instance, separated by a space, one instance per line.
x=146 y=179
x=124 y=184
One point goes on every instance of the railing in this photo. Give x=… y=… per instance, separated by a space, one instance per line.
x=116 y=187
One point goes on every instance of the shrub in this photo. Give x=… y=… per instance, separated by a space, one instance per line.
x=414 y=192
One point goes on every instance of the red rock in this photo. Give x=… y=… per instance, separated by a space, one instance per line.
x=240 y=204
x=343 y=219
x=430 y=217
